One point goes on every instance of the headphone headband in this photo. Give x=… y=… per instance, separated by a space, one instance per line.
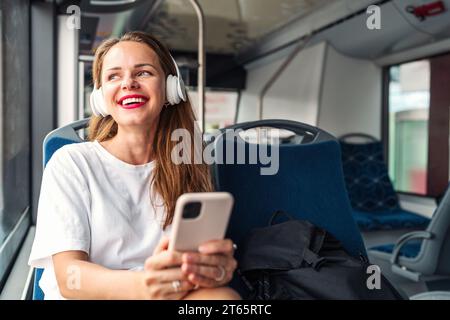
x=176 y=66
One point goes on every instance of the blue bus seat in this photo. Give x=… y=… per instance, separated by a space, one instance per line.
x=421 y=254
x=52 y=142
x=372 y=195
x=308 y=185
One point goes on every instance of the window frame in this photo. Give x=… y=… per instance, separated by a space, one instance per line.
x=10 y=246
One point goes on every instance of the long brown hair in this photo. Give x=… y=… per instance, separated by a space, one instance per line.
x=169 y=180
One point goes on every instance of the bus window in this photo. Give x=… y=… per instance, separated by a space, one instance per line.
x=418 y=116
x=409 y=101
x=15 y=146
x=220 y=108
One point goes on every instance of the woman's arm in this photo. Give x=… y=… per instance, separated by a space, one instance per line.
x=80 y=279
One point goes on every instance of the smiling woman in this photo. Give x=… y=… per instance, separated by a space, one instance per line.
x=129 y=82
x=116 y=194
x=139 y=64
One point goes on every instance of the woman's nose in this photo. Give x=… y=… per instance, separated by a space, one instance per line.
x=129 y=83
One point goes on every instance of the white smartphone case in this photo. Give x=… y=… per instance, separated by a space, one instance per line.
x=210 y=224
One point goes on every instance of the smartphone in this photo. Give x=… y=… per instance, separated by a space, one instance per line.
x=200 y=217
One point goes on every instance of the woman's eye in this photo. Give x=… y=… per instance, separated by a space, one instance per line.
x=144 y=73
x=113 y=77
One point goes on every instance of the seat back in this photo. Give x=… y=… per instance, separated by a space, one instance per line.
x=366 y=176
x=372 y=195
x=434 y=256
x=308 y=185
x=52 y=142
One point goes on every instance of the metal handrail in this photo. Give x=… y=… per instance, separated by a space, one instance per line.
x=302 y=44
x=201 y=62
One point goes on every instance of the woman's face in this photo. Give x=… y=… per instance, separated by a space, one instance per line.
x=133 y=84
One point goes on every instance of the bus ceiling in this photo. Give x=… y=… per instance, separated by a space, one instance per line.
x=249 y=29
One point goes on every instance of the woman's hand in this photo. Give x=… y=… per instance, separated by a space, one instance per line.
x=213 y=266
x=163 y=277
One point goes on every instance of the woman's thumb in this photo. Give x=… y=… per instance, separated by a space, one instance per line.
x=162 y=245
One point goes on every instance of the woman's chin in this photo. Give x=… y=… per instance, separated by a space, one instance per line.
x=133 y=120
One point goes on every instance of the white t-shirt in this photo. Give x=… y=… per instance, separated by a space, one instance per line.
x=91 y=201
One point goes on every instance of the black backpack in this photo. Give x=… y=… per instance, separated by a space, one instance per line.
x=297 y=260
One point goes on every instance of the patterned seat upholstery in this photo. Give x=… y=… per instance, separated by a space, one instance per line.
x=372 y=195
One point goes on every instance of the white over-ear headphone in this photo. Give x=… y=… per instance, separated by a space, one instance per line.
x=175 y=89
x=175 y=92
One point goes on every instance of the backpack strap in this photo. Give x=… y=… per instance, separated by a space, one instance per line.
x=313 y=259
x=279 y=213
x=318 y=239
x=245 y=280
x=266 y=286
x=310 y=255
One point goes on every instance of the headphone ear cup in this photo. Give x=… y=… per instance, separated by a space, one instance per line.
x=98 y=105
x=171 y=90
x=181 y=89
x=92 y=103
x=175 y=89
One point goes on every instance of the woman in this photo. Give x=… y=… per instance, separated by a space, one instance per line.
x=107 y=204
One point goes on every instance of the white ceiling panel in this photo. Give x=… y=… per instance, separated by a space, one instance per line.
x=232 y=25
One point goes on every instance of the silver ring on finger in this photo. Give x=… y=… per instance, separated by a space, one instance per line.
x=222 y=274
x=176 y=285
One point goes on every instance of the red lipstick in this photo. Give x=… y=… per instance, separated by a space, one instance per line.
x=132 y=104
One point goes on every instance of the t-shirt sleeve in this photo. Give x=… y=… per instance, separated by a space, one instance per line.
x=63 y=211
